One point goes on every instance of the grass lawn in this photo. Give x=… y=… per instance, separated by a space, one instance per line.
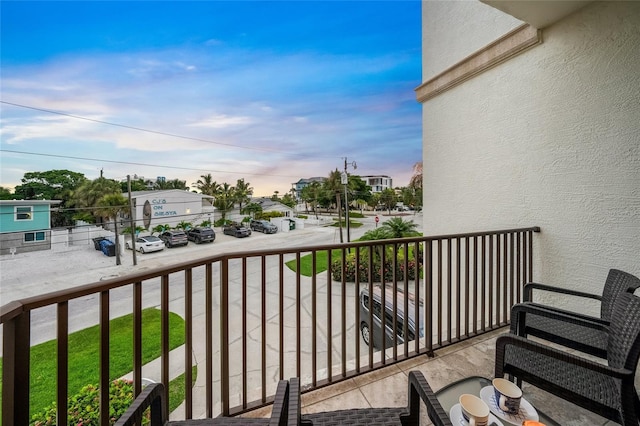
x=306 y=265
x=84 y=359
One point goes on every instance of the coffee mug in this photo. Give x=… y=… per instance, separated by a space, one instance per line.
x=474 y=410
x=508 y=395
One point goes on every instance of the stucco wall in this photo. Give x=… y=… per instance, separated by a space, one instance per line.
x=549 y=138
x=479 y=25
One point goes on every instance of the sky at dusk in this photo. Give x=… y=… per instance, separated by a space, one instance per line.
x=268 y=91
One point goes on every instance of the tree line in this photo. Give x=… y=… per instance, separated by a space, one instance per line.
x=94 y=200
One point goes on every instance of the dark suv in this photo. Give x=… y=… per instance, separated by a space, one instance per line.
x=174 y=238
x=263 y=226
x=201 y=235
x=371 y=323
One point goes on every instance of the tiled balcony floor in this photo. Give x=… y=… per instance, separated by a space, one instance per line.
x=388 y=387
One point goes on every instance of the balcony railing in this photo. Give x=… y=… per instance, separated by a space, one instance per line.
x=252 y=318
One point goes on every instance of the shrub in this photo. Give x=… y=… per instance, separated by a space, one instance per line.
x=363 y=270
x=303 y=216
x=84 y=407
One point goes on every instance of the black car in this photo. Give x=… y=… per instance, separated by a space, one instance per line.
x=201 y=235
x=236 y=229
x=174 y=238
x=263 y=226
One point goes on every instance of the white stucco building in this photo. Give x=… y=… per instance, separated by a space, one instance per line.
x=170 y=207
x=531 y=117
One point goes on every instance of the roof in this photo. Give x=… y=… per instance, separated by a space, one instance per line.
x=136 y=194
x=28 y=202
x=266 y=202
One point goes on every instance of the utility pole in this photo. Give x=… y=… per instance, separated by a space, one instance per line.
x=132 y=224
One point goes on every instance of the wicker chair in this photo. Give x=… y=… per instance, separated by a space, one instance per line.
x=153 y=396
x=605 y=389
x=419 y=389
x=571 y=329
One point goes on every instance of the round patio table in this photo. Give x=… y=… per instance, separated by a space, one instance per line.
x=448 y=397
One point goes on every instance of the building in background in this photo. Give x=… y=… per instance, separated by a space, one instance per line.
x=530 y=118
x=170 y=207
x=302 y=183
x=25 y=225
x=378 y=183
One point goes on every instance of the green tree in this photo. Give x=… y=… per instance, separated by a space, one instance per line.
x=136 y=185
x=206 y=185
x=224 y=200
x=388 y=198
x=252 y=209
x=52 y=185
x=85 y=198
x=112 y=206
x=333 y=185
x=242 y=193
x=288 y=200
x=5 y=194
x=171 y=184
x=399 y=228
x=310 y=194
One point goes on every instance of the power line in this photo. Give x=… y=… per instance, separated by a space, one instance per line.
x=131 y=163
x=158 y=132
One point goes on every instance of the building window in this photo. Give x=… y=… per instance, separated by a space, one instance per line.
x=30 y=237
x=24 y=213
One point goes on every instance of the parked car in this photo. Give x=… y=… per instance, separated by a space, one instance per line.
x=371 y=325
x=147 y=244
x=174 y=238
x=236 y=229
x=263 y=226
x=201 y=235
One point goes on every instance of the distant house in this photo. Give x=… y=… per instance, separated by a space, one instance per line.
x=378 y=183
x=269 y=205
x=302 y=183
x=170 y=207
x=25 y=225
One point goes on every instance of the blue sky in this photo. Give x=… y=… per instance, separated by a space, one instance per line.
x=268 y=91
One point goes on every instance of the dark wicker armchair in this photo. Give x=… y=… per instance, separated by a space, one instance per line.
x=153 y=396
x=585 y=333
x=419 y=390
x=605 y=389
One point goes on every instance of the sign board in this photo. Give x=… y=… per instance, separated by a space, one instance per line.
x=146 y=214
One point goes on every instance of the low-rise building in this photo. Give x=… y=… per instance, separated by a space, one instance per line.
x=378 y=183
x=170 y=207
x=25 y=225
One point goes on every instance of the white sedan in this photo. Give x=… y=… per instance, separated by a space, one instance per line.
x=148 y=244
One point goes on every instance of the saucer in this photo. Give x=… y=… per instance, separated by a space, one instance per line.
x=526 y=412
x=455 y=414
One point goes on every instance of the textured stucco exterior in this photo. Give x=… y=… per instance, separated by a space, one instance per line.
x=550 y=138
x=476 y=25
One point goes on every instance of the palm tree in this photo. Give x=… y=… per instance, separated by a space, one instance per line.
x=171 y=184
x=243 y=193
x=85 y=198
x=207 y=185
x=224 y=200
x=399 y=228
x=112 y=206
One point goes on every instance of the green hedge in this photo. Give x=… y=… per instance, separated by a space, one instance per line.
x=84 y=407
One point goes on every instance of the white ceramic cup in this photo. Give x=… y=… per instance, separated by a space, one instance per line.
x=508 y=395
x=474 y=410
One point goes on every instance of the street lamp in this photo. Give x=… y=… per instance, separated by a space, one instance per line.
x=344 y=179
